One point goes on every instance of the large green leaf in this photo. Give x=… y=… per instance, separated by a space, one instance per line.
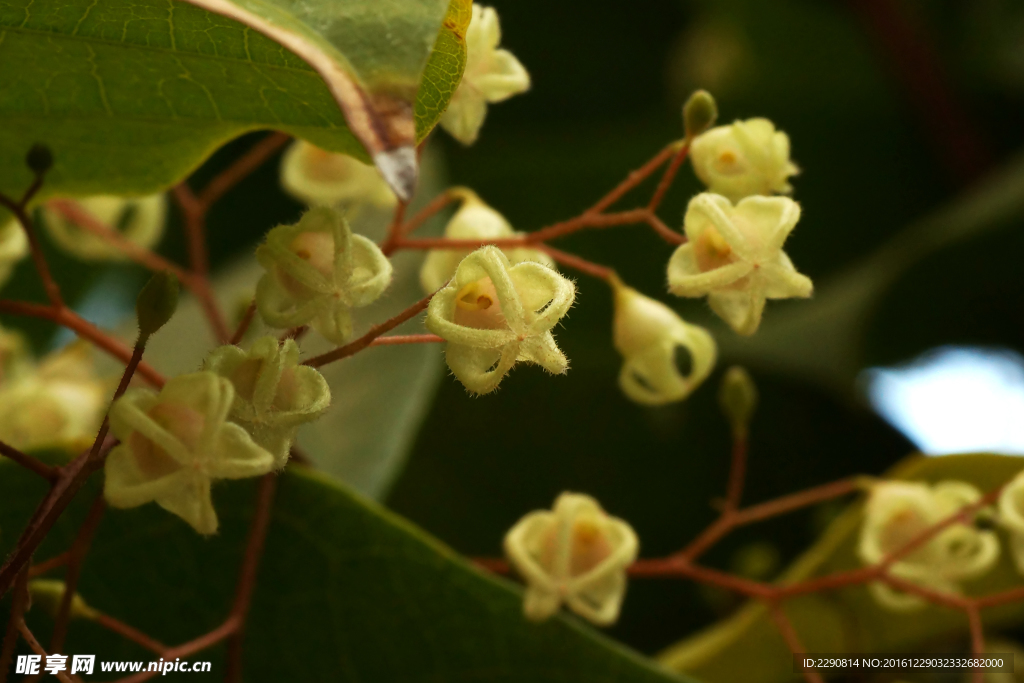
x=748 y=647
x=346 y=592
x=132 y=95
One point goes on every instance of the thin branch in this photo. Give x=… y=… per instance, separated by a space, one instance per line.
x=33 y=643
x=18 y=607
x=243 y=325
x=194 y=214
x=79 y=549
x=49 y=565
x=789 y=633
x=28 y=462
x=130 y=633
x=394 y=234
x=737 y=473
x=633 y=179
x=397 y=339
x=579 y=263
x=376 y=331
x=430 y=210
x=19 y=209
x=241 y=169
x=795 y=501
x=977 y=641
x=668 y=177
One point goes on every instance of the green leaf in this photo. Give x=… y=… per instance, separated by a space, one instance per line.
x=346 y=592
x=748 y=647
x=132 y=95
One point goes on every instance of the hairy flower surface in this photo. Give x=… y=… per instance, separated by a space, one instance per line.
x=1011 y=517
x=577 y=554
x=734 y=256
x=58 y=404
x=320 y=178
x=474 y=220
x=317 y=271
x=139 y=220
x=898 y=512
x=13 y=248
x=493 y=313
x=743 y=159
x=491 y=75
x=273 y=393
x=175 y=443
x=648 y=333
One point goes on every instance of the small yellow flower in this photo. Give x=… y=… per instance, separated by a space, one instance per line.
x=647 y=333
x=576 y=554
x=174 y=444
x=734 y=256
x=491 y=75
x=320 y=178
x=743 y=159
x=493 y=314
x=898 y=512
x=474 y=220
x=139 y=220
x=317 y=271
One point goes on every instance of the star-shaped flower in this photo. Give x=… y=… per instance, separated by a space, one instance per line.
x=317 y=177
x=743 y=159
x=493 y=313
x=576 y=554
x=474 y=220
x=734 y=255
x=317 y=271
x=175 y=444
x=491 y=75
x=273 y=393
x=139 y=220
x=898 y=512
x=647 y=333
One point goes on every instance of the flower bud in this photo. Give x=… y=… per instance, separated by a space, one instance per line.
x=139 y=220
x=647 y=333
x=743 y=159
x=576 y=554
x=157 y=302
x=699 y=113
x=39 y=159
x=317 y=177
x=48 y=594
x=738 y=399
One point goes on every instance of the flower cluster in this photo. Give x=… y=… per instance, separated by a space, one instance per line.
x=574 y=554
x=493 y=314
x=317 y=271
x=898 y=512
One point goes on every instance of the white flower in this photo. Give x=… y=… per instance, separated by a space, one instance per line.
x=1011 y=517
x=320 y=178
x=576 y=554
x=317 y=271
x=743 y=159
x=13 y=248
x=60 y=404
x=491 y=75
x=493 y=314
x=139 y=220
x=474 y=220
x=174 y=444
x=734 y=255
x=898 y=512
x=647 y=333
x=273 y=393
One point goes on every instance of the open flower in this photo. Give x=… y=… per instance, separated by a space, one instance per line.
x=273 y=393
x=898 y=512
x=647 y=333
x=13 y=248
x=743 y=159
x=139 y=220
x=734 y=255
x=576 y=554
x=58 y=404
x=474 y=220
x=317 y=271
x=491 y=75
x=493 y=313
x=1011 y=517
x=320 y=178
x=175 y=443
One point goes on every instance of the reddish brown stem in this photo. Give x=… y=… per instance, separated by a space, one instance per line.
x=579 y=263
x=795 y=501
x=394 y=234
x=194 y=214
x=130 y=633
x=429 y=211
x=376 y=331
x=241 y=169
x=977 y=641
x=668 y=177
x=789 y=633
x=28 y=462
x=737 y=472
x=18 y=607
x=243 y=325
x=19 y=209
x=79 y=549
x=633 y=179
x=396 y=339
x=33 y=643
x=49 y=565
